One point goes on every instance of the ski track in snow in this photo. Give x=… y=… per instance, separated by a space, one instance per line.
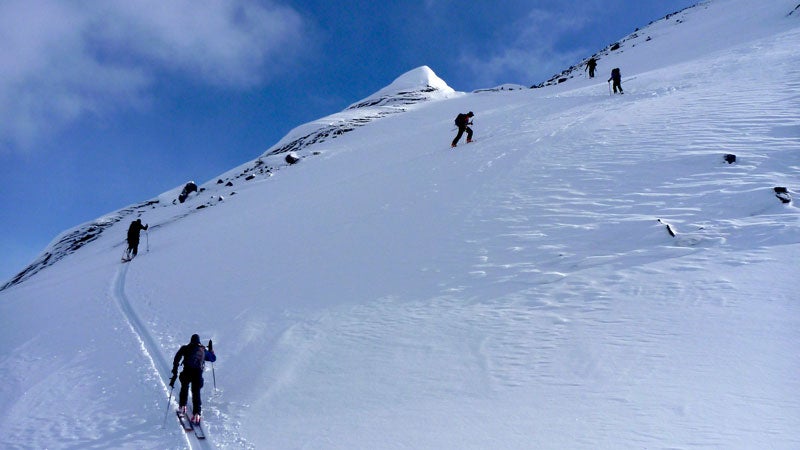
x=151 y=350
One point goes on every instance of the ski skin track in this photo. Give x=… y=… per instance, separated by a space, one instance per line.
x=149 y=347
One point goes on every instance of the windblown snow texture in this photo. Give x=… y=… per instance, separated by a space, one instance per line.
x=590 y=274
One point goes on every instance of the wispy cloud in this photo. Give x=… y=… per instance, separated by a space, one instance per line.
x=529 y=50
x=62 y=60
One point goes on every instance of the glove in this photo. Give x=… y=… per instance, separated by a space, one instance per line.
x=172 y=380
x=210 y=346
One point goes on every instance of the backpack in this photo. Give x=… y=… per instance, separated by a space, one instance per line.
x=195 y=358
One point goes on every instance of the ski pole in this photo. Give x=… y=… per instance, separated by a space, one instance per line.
x=172 y=388
x=609 y=88
x=147 y=236
x=213 y=372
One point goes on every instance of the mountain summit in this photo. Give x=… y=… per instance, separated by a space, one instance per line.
x=414 y=86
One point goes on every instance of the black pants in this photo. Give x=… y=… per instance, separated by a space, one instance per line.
x=591 y=72
x=133 y=247
x=461 y=130
x=617 y=84
x=195 y=378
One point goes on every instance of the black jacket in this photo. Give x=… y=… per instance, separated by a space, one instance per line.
x=186 y=351
x=134 y=229
x=462 y=120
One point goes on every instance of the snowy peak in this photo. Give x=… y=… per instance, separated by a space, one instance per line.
x=414 y=86
x=419 y=77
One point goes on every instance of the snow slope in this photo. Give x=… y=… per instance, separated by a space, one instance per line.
x=518 y=292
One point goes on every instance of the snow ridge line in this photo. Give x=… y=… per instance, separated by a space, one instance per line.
x=148 y=345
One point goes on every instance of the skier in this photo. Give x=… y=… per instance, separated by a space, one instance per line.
x=133 y=239
x=617 y=77
x=194 y=356
x=462 y=120
x=590 y=66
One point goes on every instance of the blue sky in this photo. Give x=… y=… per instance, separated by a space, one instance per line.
x=106 y=103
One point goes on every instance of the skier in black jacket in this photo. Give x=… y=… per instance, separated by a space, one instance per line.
x=194 y=356
x=133 y=238
x=462 y=120
x=591 y=64
x=616 y=76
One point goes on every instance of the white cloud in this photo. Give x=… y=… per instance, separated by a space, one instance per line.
x=62 y=60
x=225 y=42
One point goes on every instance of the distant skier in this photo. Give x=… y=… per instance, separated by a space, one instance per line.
x=194 y=356
x=616 y=76
x=591 y=64
x=462 y=122
x=133 y=239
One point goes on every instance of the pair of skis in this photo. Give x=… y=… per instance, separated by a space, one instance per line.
x=188 y=425
x=127 y=256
